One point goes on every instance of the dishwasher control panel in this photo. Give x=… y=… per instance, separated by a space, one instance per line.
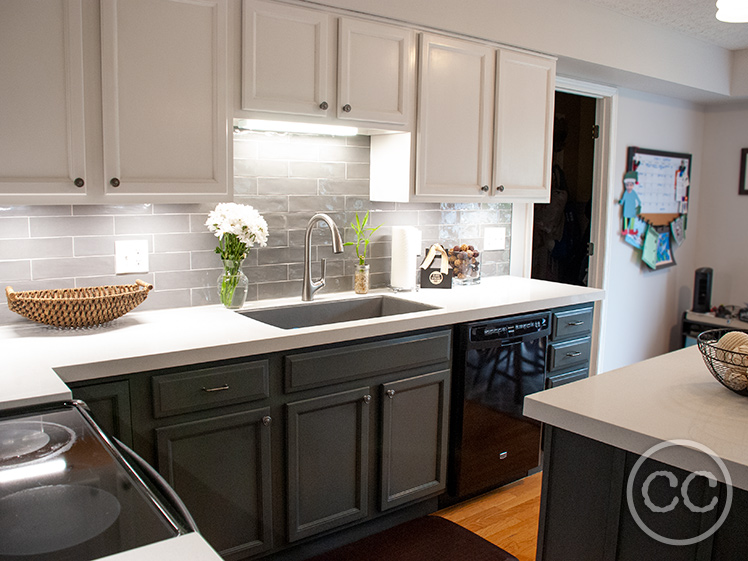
x=518 y=327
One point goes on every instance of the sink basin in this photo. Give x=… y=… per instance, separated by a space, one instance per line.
x=337 y=311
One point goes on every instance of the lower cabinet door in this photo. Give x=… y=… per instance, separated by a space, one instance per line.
x=414 y=438
x=328 y=450
x=220 y=467
x=109 y=404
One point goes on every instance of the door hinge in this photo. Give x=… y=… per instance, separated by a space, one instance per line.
x=590 y=249
x=595 y=132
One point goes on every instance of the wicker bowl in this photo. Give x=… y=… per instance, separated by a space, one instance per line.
x=729 y=367
x=77 y=307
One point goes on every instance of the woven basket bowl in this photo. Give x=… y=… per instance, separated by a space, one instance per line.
x=729 y=367
x=78 y=307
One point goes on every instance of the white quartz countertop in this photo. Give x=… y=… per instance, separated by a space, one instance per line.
x=666 y=398
x=38 y=360
x=190 y=546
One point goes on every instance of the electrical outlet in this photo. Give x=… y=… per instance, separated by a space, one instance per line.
x=130 y=256
x=494 y=239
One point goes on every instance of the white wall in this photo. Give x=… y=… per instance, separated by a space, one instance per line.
x=644 y=307
x=724 y=214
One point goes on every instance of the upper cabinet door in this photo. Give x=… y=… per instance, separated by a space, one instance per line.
x=287 y=53
x=165 y=98
x=455 y=119
x=524 y=126
x=42 y=144
x=376 y=71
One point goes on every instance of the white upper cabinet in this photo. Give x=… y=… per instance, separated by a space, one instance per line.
x=42 y=125
x=523 y=136
x=455 y=119
x=308 y=65
x=114 y=101
x=165 y=98
x=376 y=71
x=484 y=127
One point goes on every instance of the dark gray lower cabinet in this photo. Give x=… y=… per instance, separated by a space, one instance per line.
x=109 y=403
x=220 y=467
x=328 y=448
x=414 y=438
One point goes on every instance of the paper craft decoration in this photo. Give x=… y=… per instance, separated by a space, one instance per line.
x=636 y=237
x=657 y=253
x=649 y=248
x=678 y=230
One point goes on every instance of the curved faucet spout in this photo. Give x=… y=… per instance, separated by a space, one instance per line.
x=311 y=286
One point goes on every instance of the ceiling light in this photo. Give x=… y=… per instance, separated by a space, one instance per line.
x=288 y=126
x=732 y=11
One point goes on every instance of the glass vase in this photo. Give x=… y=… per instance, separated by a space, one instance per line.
x=361 y=279
x=232 y=284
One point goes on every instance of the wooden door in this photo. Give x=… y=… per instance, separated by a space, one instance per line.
x=328 y=450
x=376 y=72
x=220 y=467
x=415 y=420
x=165 y=99
x=455 y=119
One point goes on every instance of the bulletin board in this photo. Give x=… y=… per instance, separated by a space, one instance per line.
x=662 y=190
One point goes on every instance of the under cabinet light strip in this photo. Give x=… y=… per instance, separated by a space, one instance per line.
x=255 y=125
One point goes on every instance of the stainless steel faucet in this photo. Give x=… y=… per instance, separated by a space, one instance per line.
x=311 y=286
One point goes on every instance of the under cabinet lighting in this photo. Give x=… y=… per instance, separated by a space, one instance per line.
x=287 y=126
x=732 y=11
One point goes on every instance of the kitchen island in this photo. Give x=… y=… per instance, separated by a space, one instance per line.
x=620 y=451
x=150 y=359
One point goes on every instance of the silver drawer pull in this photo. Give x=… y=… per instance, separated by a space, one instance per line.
x=218 y=389
x=574 y=353
x=575 y=323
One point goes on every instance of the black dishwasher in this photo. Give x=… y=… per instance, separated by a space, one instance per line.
x=496 y=364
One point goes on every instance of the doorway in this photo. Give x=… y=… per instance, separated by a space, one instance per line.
x=561 y=241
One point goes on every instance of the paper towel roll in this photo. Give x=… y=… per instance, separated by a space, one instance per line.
x=406 y=246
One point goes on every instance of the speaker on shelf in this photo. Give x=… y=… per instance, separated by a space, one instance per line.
x=702 y=290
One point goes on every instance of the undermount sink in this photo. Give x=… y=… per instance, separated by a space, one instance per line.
x=322 y=313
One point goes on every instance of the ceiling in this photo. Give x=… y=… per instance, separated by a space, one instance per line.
x=692 y=17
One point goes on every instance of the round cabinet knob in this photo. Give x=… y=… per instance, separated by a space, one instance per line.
x=324 y=105
x=390 y=393
x=484 y=188
x=367 y=398
x=500 y=188
x=114 y=182
x=266 y=420
x=79 y=182
x=347 y=108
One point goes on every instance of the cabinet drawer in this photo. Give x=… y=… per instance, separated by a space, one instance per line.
x=194 y=390
x=570 y=353
x=330 y=366
x=571 y=323
x=567 y=377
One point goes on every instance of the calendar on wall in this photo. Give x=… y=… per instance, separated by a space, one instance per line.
x=655 y=203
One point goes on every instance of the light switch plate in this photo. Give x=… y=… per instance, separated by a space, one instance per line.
x=494 y=239
x=130 y=256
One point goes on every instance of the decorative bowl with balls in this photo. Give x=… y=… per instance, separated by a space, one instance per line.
x=725 y=353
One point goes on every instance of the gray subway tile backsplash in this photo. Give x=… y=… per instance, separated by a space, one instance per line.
x=287 y=178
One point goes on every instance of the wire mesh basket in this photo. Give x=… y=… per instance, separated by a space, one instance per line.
x=727 y=365
x=78 y=307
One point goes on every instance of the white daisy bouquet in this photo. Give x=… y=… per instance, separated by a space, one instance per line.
x=238 y=228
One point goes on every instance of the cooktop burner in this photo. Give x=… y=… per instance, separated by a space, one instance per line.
x=24 y=442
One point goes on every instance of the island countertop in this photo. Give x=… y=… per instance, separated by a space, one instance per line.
x=669 y=397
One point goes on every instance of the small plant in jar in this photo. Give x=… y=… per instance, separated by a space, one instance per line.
x=363 y=237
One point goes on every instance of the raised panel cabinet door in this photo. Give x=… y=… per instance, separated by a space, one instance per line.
x=524 y=126
x=287 y=53
x=455 y=119
x=415 y=417
x=328 y=449
x=220 y=467
x=42 y=137
x=376 y=72
x=165 y=99
x=109 y=404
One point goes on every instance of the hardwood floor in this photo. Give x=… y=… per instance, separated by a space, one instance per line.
x=507 y=517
